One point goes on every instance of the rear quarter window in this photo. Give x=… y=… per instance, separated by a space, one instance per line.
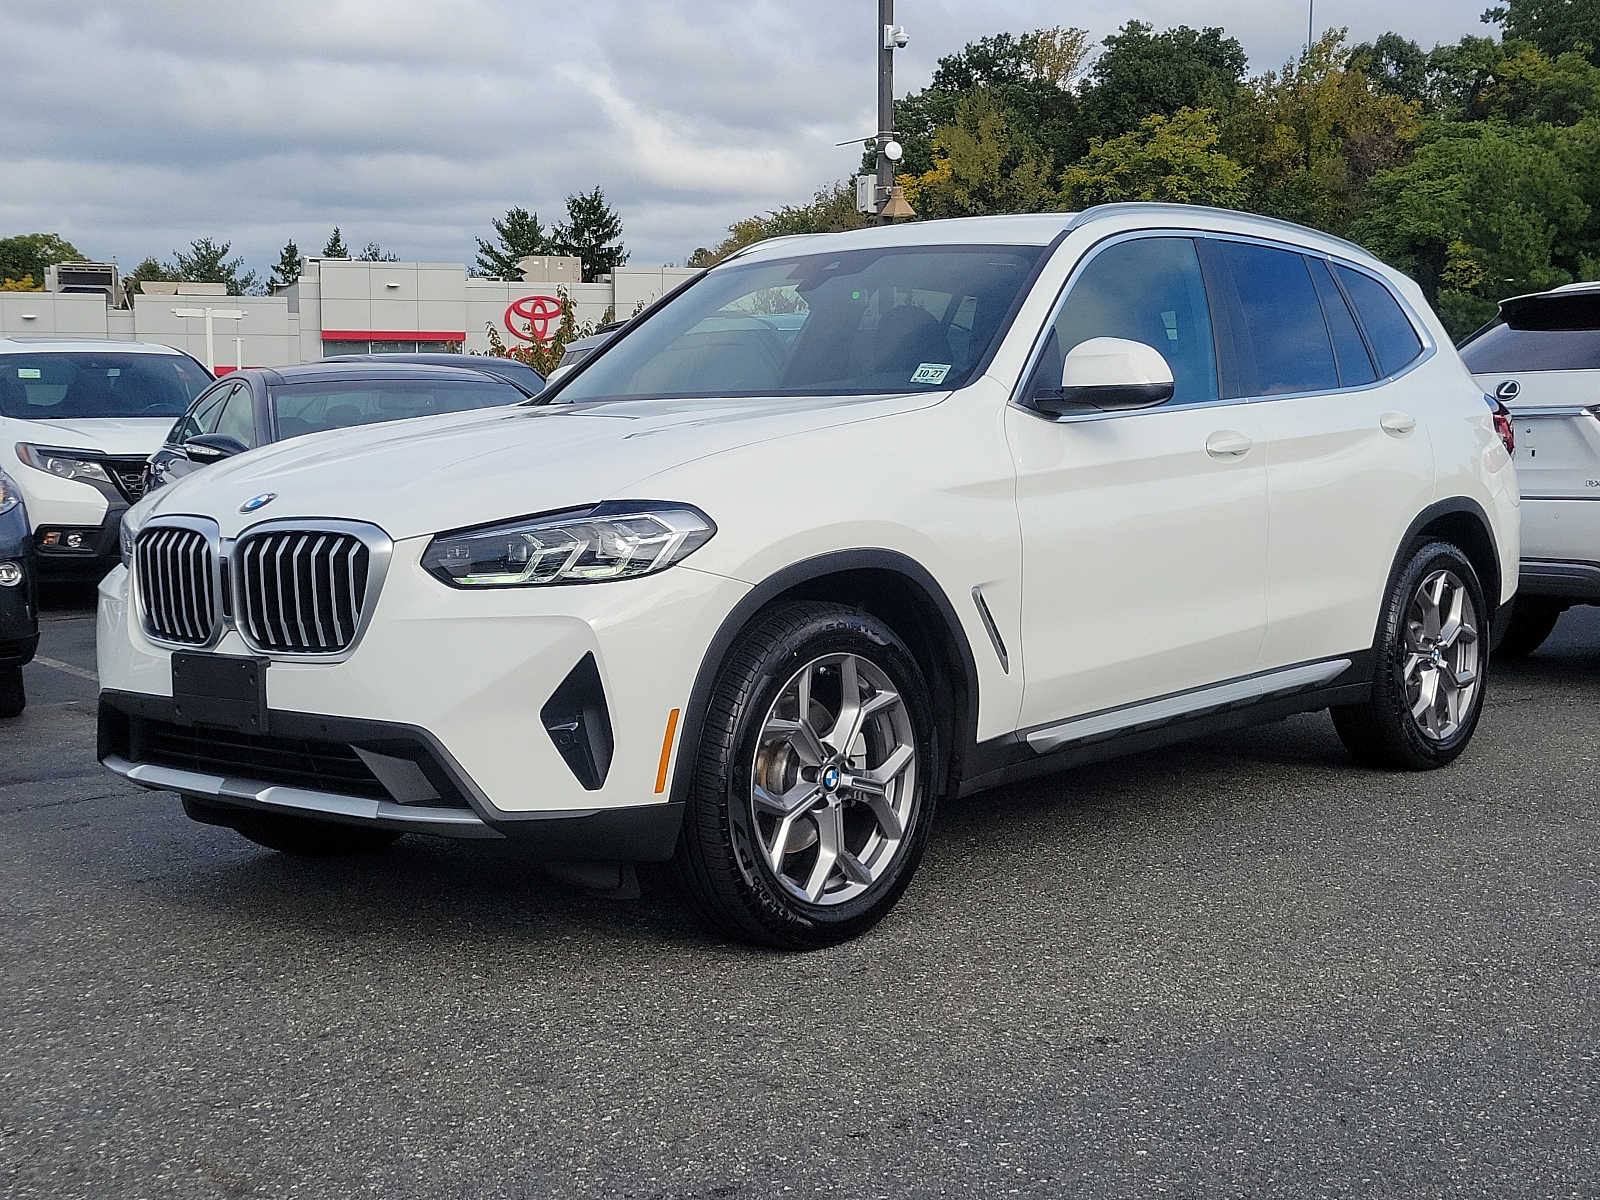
x=1389 y=331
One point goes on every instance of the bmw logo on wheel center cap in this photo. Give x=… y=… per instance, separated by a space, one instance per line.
x=830 y=779
x=255 y=502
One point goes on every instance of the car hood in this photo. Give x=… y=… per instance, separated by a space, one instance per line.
x=429 y=474
x=114 y=435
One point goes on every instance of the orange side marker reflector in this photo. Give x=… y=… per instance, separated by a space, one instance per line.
x=666 y=752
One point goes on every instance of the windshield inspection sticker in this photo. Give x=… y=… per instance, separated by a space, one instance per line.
x=28 y=372
x=930 y=373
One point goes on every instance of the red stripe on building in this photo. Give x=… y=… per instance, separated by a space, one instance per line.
x=394 y=335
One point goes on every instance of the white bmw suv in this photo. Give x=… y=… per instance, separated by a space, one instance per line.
x=847 y=524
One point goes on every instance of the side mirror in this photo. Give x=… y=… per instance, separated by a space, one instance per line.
x=212 y=447
x=1108 y=374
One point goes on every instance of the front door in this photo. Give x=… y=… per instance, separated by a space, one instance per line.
x=1144 y=533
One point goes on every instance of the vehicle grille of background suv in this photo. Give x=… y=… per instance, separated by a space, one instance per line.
x=175 y=572
x=300 y=591
x=127 y=473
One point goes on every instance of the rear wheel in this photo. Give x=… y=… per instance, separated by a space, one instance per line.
x=1532 y=620
x=12 y=697
x=811 y=798
x=1430 y=667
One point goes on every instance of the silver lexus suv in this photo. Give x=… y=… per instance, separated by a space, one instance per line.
x=1541 y=359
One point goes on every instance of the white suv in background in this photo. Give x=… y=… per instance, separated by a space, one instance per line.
x=1541 y=359
x=78 y=421
x=851 y=523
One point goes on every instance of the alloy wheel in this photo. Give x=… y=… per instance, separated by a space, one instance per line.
x=834 y=787
x=1440 y=665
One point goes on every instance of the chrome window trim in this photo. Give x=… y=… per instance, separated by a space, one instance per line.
x=380 y=551
x=1036 y=351
x=206 y=528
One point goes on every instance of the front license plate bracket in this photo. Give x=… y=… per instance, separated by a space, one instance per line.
x=220 y=691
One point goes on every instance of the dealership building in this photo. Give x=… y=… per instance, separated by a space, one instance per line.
x=338 y=306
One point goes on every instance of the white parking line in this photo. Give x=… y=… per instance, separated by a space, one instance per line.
x=67 y=668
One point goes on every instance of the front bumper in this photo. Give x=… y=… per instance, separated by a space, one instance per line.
x=98 y=553
x=19 y=604
x=460 y=688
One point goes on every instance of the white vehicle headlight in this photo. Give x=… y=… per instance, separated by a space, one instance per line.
x=132 y=522
x=10 y=494
x=65 y=462
x=619 y=540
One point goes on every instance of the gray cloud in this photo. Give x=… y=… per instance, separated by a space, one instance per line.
x=134 y=127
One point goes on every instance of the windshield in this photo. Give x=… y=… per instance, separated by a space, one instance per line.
x=342 y=403
x=852 y=322
x=88 y=385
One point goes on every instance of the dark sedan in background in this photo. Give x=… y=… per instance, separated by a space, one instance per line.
x=19 y=597
x=511 y=369
x=261 y=405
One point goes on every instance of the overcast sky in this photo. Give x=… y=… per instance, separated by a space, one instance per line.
x=133 y=127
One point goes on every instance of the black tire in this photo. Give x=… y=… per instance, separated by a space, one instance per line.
x=13 y=699
x=1381 y=732
x=1532 y=620
x=718 y=865
x=304 y=838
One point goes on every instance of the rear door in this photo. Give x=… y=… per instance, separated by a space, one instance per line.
x=1348 y=461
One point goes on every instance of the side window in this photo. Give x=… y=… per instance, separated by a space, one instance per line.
x=1147 y=290
x=238 y=419
x=1394 y=340
x=1355 y=364
x=1283 y=340
x=202 y=415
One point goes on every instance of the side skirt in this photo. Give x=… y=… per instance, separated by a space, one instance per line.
x=1181 y=717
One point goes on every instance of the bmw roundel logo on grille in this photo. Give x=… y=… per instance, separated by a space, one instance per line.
x=255 y=502
x=1510 y=389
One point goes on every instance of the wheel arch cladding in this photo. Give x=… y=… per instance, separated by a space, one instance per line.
x=1463 y=523
x=897 y=590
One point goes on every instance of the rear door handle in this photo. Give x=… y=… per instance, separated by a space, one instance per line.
x=1397 y=423
x=1228 y=443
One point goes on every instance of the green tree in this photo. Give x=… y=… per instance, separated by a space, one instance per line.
x=592 y=232
x=1554 y=26
x=1393 y=65
x=982 y=163
x=288 y=269
x=206 y=261
x=372 y=252
x=831 y=210
x=1313 y=133
x=1142 y=72
x=1167 y=158
x=31 y=253
x=1480 y=212
x=517 y=235
x=1031 y=75
x=335 y=247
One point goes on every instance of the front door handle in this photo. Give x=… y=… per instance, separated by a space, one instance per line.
x=1397 y=423
x=1228 y=443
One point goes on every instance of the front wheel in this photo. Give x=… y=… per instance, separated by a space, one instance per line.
x=13 y=699
x=1430 y=667
x=812 y=793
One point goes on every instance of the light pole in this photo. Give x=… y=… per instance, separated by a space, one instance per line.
x=891 y=37
x=212 y=315
x=1311 y=18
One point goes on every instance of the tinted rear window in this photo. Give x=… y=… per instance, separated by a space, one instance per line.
x=1355 y=364
x=1389 y=330
x=92 y=384
x=1285 y=337
x=340 y=404
x=1558 y=332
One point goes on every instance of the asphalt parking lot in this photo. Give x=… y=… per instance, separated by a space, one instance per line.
x=1241 y=968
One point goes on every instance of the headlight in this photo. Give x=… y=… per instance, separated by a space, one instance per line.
x=67 y=463
x=611 y=541
x=132 y=522
x=10 y=496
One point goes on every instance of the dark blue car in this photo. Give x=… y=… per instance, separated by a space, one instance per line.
x=19 y=598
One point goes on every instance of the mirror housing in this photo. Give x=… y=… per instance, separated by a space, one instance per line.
x=1108 y=374
x=212 y=447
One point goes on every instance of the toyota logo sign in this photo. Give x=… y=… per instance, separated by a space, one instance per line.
x=529 y=318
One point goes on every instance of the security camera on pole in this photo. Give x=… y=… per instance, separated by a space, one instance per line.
x=887 y=200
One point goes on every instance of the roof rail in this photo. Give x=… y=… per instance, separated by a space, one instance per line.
x=1126 y=208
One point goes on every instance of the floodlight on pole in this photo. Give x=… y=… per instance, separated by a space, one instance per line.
x=212 y=315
